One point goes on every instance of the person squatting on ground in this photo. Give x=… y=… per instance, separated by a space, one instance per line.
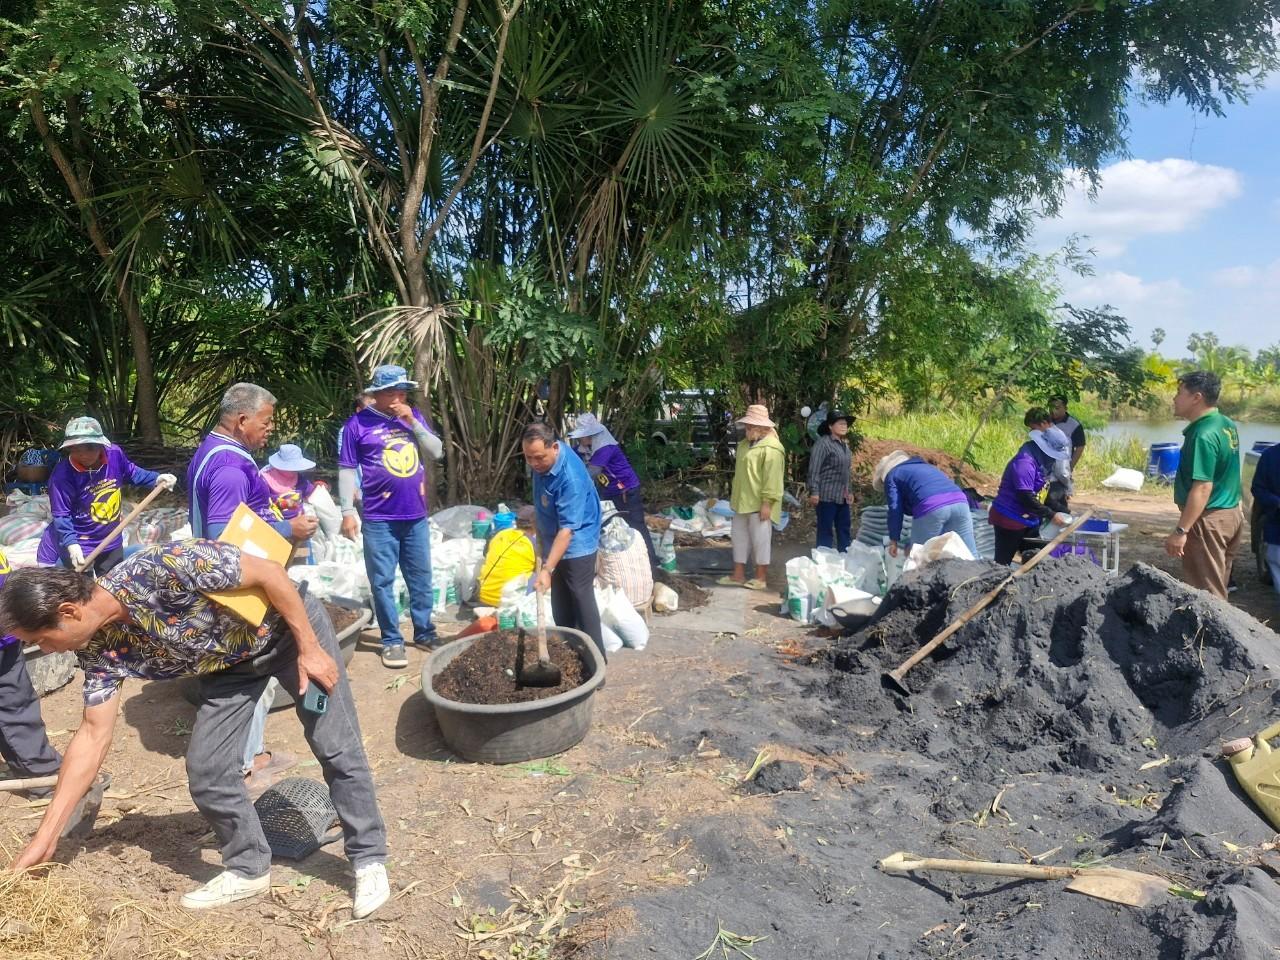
x=387 y=443
x=1266 y=497
x=23 y=742
x=755 y=497
x=828 y=482
x=567 y=517
x=1060 y=490
x=916 y=489
x=1206 y=487
x=150 y=618
x=221 y=476
x=1017 y=511
x=612 y=471
x=84 y=498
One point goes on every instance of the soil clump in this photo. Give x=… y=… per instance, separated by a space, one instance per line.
x=486 y=671
x=691 y=595
x=342 y=617
x=869 y=453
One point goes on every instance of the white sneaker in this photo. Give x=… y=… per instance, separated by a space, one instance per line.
x=372 y=890
x=225 y=888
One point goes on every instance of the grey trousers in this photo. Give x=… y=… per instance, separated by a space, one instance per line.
x=216 y=755
x=23 y=743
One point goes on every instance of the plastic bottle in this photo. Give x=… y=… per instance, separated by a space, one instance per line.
x=1257 y=767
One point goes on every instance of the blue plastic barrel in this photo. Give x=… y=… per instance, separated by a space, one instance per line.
x=1261 y=446
x=504 y=521
x=1162 y=464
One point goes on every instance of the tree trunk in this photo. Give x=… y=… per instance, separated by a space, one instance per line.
x=148 y=408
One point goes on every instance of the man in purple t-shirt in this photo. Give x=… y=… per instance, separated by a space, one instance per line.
x=387 y=442
x=84 y=498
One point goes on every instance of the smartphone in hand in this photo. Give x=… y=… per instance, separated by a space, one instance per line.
x=315 y=699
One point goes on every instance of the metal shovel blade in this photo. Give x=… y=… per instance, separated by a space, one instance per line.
x=1128 y=887
x=86 y=811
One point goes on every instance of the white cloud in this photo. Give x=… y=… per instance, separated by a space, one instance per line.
x=1146 y=304
x=1140 y=197
x=1258 y=279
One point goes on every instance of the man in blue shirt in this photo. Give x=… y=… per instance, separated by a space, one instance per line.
x=567 y=512
x=1266 y=505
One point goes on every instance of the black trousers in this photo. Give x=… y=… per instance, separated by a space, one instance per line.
x=631 y=506
x=1010 y=542
x=22 y=738
x=573 y=597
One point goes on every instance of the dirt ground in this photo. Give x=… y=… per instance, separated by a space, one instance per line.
x=639 y=842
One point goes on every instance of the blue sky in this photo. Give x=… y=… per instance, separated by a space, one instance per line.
x=1186 y=230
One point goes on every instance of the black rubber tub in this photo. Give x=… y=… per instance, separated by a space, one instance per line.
x=515 y=732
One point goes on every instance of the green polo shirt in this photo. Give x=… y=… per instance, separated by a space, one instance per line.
x=1210 y=451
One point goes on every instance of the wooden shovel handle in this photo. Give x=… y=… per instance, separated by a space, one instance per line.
x=29 y=783
x=158 y=489
x=985 y=601
x=904 y=863
x=543 y=656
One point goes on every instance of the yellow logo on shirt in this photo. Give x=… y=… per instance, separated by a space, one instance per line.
x=400 y=457
x=5 y=569
x=105 y=506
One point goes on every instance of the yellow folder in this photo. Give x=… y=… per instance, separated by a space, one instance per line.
x=255 y=537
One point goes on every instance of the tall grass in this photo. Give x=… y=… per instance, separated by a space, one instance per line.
x=998 y=440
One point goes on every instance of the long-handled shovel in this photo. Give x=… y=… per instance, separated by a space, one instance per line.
x=1129 y=887
x=158 y=489
x=86 y=810
x=545 y=673
x=893 y=678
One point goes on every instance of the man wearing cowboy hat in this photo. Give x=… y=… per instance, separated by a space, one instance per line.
x=84 y=498
x=615 y=479
x=388 y=442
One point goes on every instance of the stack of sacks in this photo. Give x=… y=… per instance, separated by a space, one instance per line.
x=158 y=525
x=28 y=516
x=620 y=623
x=622 y=562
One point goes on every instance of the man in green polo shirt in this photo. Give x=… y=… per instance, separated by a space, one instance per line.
x=1207 y=486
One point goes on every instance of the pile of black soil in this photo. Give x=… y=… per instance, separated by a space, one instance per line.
x=691 y=595
x=488 y=670
x=1076 y=721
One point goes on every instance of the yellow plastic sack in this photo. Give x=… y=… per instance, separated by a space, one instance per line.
x=510 y=555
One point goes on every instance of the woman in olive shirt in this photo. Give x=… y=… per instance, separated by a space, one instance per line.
x=756 y=497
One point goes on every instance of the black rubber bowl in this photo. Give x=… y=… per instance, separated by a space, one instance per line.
x=515 y=732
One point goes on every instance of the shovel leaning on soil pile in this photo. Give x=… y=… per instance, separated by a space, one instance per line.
x=85 y=812
x=893 y=678
x=1128 y=887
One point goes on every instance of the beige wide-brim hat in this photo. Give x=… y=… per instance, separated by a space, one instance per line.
x=887 y=463
x=757 y=416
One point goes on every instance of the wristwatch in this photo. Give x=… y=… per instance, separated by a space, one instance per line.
x=1181 y=531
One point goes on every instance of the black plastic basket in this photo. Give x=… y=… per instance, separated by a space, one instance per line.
x=297 y=817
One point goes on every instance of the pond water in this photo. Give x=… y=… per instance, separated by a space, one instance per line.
x=1170 y=431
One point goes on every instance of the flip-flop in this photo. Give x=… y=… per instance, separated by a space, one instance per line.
x=727 y=581
x=756 y=585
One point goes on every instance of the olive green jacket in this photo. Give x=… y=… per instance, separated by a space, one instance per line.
x=758 y=476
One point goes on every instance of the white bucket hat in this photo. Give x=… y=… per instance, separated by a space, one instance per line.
x=887 y=463
x=757 y=416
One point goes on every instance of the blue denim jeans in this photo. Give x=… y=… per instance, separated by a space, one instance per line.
x=833 y=516
x=954 y=517
x=407 y=543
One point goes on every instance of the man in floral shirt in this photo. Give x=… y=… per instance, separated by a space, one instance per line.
x=150 y=618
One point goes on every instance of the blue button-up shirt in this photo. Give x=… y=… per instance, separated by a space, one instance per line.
x=564 y=498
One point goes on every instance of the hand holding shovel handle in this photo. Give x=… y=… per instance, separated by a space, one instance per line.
x=158 y=489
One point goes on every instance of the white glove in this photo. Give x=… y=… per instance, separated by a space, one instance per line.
x=76 y=555
x=167 y=480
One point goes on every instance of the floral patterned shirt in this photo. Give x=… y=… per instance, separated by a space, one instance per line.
x=173 y=630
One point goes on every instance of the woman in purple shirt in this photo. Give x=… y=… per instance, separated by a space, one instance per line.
x=920 y=490
x=84 y=498
x=615 y=479
x=1017 y=511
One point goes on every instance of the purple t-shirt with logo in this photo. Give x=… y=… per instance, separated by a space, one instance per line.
x=219 y=480
x=612 y=471
x=85 y=504
x=392 y=480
